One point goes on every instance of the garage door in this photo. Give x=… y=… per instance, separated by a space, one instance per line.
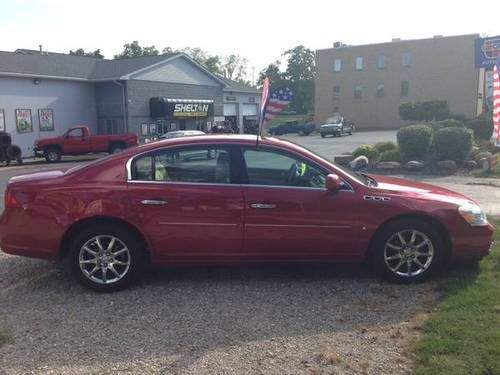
x=249 y=109
x=229 y=109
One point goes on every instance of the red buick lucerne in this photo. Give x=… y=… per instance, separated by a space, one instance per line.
x=225 y=199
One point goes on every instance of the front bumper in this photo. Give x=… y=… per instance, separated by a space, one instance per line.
x=38 y=152
x=330 y=130
x=472 y=243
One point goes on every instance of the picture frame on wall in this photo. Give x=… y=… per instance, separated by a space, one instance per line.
x=144 y=129
x=152 y=129
x=23 y=121
x=2 y=120
x=46 y=119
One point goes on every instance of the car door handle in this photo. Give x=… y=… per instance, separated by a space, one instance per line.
x=263 y=205
x=154 y=202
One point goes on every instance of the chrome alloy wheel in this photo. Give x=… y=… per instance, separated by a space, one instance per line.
x=52 y=155
x=104 y=259
x=408 y=253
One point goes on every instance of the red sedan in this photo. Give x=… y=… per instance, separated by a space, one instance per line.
x=223 y=199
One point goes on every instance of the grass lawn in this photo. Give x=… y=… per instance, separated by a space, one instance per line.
x=463 y=335
x=281 y=119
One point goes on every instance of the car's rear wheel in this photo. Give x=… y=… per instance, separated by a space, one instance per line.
x=52 y=155
x=106 y=257
x=408 y=251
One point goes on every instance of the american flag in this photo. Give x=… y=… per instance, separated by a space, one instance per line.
x=280 y=98
x=496 y=103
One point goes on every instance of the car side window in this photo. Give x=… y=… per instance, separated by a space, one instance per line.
x=200 y=164
x=275 y=168
x=75 y=133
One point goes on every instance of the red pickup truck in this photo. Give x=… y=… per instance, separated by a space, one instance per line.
x=78 y=141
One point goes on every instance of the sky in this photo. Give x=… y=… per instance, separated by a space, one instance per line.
x=258 y=30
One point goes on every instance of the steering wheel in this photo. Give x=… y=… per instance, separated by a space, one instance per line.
x=292 y=174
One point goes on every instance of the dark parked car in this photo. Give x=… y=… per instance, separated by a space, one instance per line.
x=336 y=126
x=292 y=127
x=223 y=199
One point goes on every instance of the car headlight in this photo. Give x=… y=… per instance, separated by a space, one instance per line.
x=473 y=214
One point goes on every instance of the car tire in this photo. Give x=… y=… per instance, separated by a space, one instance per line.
x=116 y=148
x=52 y=155
x=407 y=251
x=110 y=266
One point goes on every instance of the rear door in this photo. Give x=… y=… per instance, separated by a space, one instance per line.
x=289 y=214
x=186 y=202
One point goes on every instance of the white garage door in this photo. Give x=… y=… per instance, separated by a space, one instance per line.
x=249 y=109
x=229 y=109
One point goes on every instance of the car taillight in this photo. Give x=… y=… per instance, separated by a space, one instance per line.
x=10 y=200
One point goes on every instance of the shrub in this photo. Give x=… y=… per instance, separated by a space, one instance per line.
x=414 y=140
x=452 y=143
x=448 y=123
x=367 y=150
x=390 y=155
x=385 y=146
x=482 y=128
x=424 y=111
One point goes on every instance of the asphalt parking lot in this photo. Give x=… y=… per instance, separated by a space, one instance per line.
x=269 y=319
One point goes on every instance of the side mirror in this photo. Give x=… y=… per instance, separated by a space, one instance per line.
x=333 y=182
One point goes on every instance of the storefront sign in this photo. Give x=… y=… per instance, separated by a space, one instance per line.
x=46 y=119
x=191 y=109
x=23 y=121
x=230 y=98
x=2 y=120
x=486 y=51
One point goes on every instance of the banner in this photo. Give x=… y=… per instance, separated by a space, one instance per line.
x=486 y=51
x=23 y=121
x=263 y=102
x=46 y=119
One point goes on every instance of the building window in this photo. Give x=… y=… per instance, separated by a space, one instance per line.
x=380 y=90
x=405 y=88
x=405 y=59
x=251 y=99
x=336 y=91
x=381 y=61
x=337 y=65
x=358 y=64
x=358 y=92
x=112 y=126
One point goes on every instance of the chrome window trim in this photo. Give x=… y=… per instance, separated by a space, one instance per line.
x=128 y=167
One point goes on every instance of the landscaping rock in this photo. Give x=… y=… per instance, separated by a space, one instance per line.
x=414 y=165
x=447 y=164
x=343 y=159
x=359 y=162
x=482 y=155
x=470 y=164
x=388 y=165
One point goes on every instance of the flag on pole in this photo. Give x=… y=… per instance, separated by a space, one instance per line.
x=280 y=98
x=263 y=102
x=496 y=103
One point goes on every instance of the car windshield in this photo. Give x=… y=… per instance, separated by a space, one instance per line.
x=333 y=119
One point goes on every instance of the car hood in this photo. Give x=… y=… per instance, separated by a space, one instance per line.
x=418 y=190
x=332 y=124
x=46 y=140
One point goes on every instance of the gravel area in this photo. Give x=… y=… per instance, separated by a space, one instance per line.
x=316 y=319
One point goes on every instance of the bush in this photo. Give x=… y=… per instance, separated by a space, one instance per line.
x=414 y=140
x=448 y=123
x=390 y=155
x=482 y=128
x=385 y=146
x=452 y=143
x=367 y=150
x=425 y=111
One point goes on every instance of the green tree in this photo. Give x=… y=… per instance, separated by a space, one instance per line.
x=234 y=67
x=274 y=73
x=300 y=73
x=81 y=52
x=135 y=50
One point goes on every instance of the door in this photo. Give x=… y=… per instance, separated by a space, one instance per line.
x=186 y=203
x=76 y=142
x=289 y=212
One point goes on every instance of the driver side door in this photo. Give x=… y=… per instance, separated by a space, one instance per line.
x=289 y=213
x=76 y=142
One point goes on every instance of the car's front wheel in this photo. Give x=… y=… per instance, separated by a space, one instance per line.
x=106 y=257
x=408 y=251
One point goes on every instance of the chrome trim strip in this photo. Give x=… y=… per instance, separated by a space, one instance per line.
x=199 y=224
x=299 y=226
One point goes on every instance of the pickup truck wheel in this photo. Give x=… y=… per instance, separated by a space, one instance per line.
x=52 y=155
x=116 y=148
x=106 y=257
